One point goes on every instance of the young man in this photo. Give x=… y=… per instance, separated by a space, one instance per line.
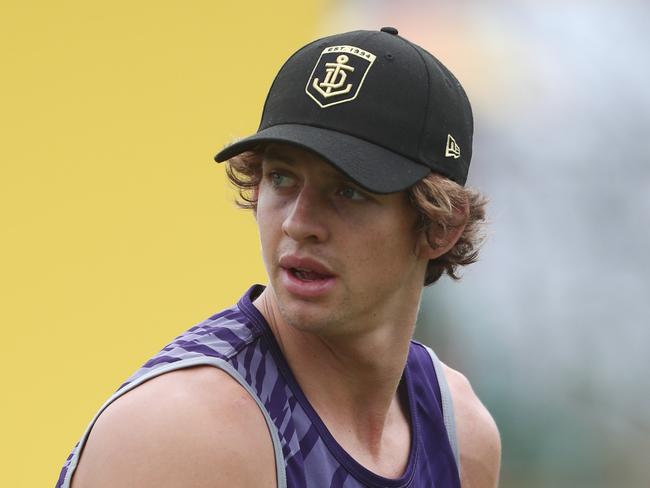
x=356 y=180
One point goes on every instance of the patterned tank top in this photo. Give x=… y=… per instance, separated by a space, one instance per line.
x=239 y=341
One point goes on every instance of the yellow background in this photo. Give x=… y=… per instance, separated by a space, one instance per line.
x=118 y=231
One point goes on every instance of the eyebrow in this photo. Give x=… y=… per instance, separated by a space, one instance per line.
x=276 y=155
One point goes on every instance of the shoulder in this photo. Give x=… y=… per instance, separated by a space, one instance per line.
x=194 y=427
x=478 y=436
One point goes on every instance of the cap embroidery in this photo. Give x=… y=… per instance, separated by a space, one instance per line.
x=335 y=78
x=452 y=150
x=338 y=75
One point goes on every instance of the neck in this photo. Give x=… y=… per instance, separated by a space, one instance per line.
x=351 y=380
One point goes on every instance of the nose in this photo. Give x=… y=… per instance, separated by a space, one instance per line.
x=306 y=219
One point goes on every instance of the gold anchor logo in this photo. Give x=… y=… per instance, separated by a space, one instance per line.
x=338 y=75
x=335 y=78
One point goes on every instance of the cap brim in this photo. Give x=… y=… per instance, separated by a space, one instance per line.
x=372 y=167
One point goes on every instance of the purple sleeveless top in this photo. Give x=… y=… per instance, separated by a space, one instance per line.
x=239 y=341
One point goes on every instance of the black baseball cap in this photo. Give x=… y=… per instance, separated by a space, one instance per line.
x=379 y=108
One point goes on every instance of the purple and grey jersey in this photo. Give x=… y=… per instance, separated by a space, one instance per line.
x=239 y=341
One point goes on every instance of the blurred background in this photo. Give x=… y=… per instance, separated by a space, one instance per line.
x=118 y=231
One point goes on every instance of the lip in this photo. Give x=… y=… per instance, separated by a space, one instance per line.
x=289 y=261
x=301 y=288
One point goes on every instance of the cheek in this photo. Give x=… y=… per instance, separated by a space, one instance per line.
x=383 y=253
x=401 y=254
x=269 y=203
x=266 y=227
x=269 y=218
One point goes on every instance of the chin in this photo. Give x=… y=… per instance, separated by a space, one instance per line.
x=308 y=314
x=303 y=315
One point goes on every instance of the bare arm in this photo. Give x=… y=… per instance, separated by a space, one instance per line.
x=478 y=435
x=196 y=427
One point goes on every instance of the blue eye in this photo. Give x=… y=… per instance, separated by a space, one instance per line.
x=278 y=180
x=350 y=193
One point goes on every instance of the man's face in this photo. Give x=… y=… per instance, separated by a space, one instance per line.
x=337 y=256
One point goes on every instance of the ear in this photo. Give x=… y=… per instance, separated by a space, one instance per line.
x=438 y=240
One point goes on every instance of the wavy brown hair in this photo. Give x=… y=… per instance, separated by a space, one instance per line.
x=440 y=203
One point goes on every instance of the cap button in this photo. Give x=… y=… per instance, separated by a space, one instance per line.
x=389 y=30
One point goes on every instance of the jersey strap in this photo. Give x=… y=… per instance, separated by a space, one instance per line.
x=447 y=405
x=178 y=365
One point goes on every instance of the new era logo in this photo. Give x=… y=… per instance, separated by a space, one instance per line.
x=452 y=150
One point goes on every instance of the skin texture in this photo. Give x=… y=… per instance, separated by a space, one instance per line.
x=478 y=435
x=196 y=427
x=346 y=346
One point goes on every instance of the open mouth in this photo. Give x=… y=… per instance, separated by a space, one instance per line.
x=307 y=274
x=306 y=277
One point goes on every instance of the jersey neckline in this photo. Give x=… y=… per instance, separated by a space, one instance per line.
x=356 y=469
